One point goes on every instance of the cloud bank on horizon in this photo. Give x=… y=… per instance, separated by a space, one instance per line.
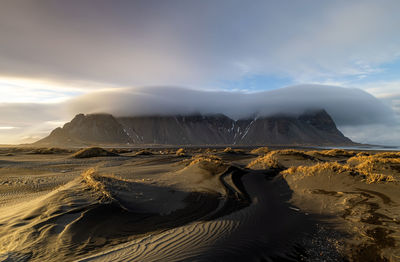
x=56 y=55
x=352 y=109
x=348 y=107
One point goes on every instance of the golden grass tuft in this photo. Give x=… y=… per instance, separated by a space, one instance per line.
x=317 y=169
x=144 y=152
x=374 y=178
x=267 y=161
x=388 y=155
x=273 y=159
x=260 y=151
x=374 y=166
x=120 y=150
x=364 y=169
x=229 y=150
x=292 y=152
x=373 y=160
x=210 y=151
x=333 y=153
x=362 y=154
x=205 y=158
x=180 y=152
x=211 y=163
x=103 y=183
x=91 y=180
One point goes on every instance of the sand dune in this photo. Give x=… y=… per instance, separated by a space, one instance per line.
x=205 y=205
x=239 y=235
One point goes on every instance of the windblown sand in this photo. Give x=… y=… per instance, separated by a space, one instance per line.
x=195 y=204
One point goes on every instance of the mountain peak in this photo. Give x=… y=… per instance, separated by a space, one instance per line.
x=311 y=128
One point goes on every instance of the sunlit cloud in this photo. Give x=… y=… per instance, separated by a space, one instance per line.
x=34 y=90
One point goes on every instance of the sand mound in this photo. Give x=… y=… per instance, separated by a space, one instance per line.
x=143 y=153
x=280 y=159
x=332 y=153
x=181 y=152
x=382 y=167
x=388 y=155
x=261 y=231
x=207 y=162
x=50 y=150
x=356 y=198
x=328 y=169
x=120 y=150
x=36 y=229
x=91 y=212
x=93 y=183
x=93 y=152
x=265 y=162
x=229 y=150
x=260 y=151
x=205 y=159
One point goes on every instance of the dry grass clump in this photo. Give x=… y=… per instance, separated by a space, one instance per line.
x=333 y=167
x=267 y=161
x=336 y=153
x=93 y=152
x=229 y=150
x=374 y=178
x=375 y=166
x=292 y=152
x=120 y=150
x=318 y=169
x=92 y=181
x=313 y=153
x=373 y=160
x=362 y=154
x=180 y=152
x=211 y=163
x=388 y=155
x=143 y=152
x=260 y=151
x=210 y=151
x=50 y=150
x=205 y=158
x=277 y=158
x=103 y=184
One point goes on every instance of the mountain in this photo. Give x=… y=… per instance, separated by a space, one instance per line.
x=311 y=128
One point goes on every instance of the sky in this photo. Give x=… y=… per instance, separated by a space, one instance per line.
x=59 y=58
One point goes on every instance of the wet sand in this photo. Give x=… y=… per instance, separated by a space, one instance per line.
x=199 y=205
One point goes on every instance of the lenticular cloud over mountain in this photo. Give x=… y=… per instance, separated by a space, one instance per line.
x=353 y=110
x=346 y=106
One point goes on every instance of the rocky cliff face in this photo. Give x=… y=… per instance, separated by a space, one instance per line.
x=313 y=128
